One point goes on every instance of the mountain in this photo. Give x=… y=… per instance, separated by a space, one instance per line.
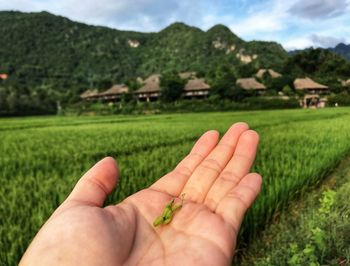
x=44 y=49
x=342 y=50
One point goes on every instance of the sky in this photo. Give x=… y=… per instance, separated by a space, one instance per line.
x=296 y=24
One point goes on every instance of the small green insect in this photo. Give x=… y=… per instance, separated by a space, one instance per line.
x=168 y=212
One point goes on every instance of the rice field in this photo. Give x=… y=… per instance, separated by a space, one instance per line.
x=42 y=158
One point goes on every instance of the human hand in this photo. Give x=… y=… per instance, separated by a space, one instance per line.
x=218 y=190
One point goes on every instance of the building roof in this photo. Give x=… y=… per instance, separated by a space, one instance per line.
x=187 y=75
x=271 y=72
x=307 y=83
x=250 y=84
x=345 y=83
x=151 y=84
x=196 y=84
x=88 y=93
x=115 y=89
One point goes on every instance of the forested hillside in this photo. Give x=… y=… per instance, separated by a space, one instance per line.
x=48 y=59
x=41 y=48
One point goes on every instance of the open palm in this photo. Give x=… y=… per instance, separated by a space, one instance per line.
x=218 y=190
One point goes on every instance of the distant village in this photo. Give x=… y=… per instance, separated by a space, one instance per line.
x=314 y=94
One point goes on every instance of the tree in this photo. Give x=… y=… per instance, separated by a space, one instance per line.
x=278 y=83
x=287 y=90
x=223 y=83
x=171 y=86
x=238 y=94
x=245 y=70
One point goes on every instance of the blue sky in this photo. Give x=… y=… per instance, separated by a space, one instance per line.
x=295 y=24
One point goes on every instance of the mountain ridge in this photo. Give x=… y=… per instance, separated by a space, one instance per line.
x=43 y=44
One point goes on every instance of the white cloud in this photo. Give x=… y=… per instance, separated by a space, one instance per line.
x=319 y=9
x=264 y=20
x=297 y=43
x=326 y=41
x=258 y=23
x=261 y=20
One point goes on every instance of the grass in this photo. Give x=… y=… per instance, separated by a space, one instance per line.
x=42 y=158
x=314 y=231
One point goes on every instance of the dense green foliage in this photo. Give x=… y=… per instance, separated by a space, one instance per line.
x=314 y=231
x=36 y=48
x=42 y=158
x=171 y=86
x=342 y=99
x=319 y=63
x=51 y=59
x=41 y=49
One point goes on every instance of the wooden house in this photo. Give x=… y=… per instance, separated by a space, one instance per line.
x=313 y=101
x=345 y=83
x=89 y=95
x=196 y=88
x=150 y=91
x=114 y=93
x=309 y=86
x=312 y=90
x=251 y=84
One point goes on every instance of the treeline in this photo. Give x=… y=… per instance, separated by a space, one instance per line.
x=319 y=64
x=40 y=100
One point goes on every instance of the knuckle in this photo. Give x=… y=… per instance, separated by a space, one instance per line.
x=234 y=195
x=211 y=164
x=229 y=176
x=225 y=146
x=196 y=154
x=98 y=184
x=183 y=170
x=242 y=155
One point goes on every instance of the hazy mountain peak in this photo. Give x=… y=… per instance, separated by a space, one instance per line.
x=343 y=50
x=342 y=45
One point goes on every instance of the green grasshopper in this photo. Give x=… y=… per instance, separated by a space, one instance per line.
x=168 y=212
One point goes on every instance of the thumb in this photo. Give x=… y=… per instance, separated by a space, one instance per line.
x=96 y=184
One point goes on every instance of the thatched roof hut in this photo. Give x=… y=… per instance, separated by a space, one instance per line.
x=196 y=88
x=196 y=84
x=250 y=84
x=89 y=94
x=271 y=72
x=150 y=90
x=345 y=83
x=151 y=84
x=115 y=90
x=308 y=84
